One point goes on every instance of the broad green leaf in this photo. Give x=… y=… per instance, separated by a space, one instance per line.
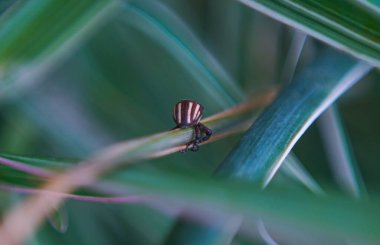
x=351 y=26
x=266 y=144
x=336 y=214
x=203 y=196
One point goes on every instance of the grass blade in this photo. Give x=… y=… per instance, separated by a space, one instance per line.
x=292 y=58
x=338 y=150
x=294 y=169
x=355 y=32
x=266 y=144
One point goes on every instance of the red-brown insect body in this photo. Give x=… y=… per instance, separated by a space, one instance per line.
x=187 y=113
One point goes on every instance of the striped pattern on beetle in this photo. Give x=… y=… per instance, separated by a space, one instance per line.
x=188 y=113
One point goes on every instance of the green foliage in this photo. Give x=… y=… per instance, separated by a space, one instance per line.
x=79 y=76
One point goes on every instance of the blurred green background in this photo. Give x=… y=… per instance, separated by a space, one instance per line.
x=68 y=94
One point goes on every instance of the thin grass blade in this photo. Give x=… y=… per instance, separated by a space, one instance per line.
x=351 y=26
x=339 y=153
x=294 y=169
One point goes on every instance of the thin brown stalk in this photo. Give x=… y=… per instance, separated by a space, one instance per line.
x=85 y=198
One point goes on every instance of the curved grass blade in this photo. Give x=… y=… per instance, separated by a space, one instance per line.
x=162 y=25
x=347 y=25
x=34 y=35
x=339 y=153
x=294 y=169
x=266 y=144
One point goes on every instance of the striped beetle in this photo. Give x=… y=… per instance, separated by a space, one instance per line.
x=188 y=113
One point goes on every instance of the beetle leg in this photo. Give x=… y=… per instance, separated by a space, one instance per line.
x=199 y=129
x=193 y=145
x=206 y=130
x=198 y=132
x=197 y=140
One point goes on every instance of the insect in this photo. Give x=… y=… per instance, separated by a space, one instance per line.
x=188 y=113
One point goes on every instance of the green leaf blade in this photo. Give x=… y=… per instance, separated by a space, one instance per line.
x=269 y=140
x=347 y=25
